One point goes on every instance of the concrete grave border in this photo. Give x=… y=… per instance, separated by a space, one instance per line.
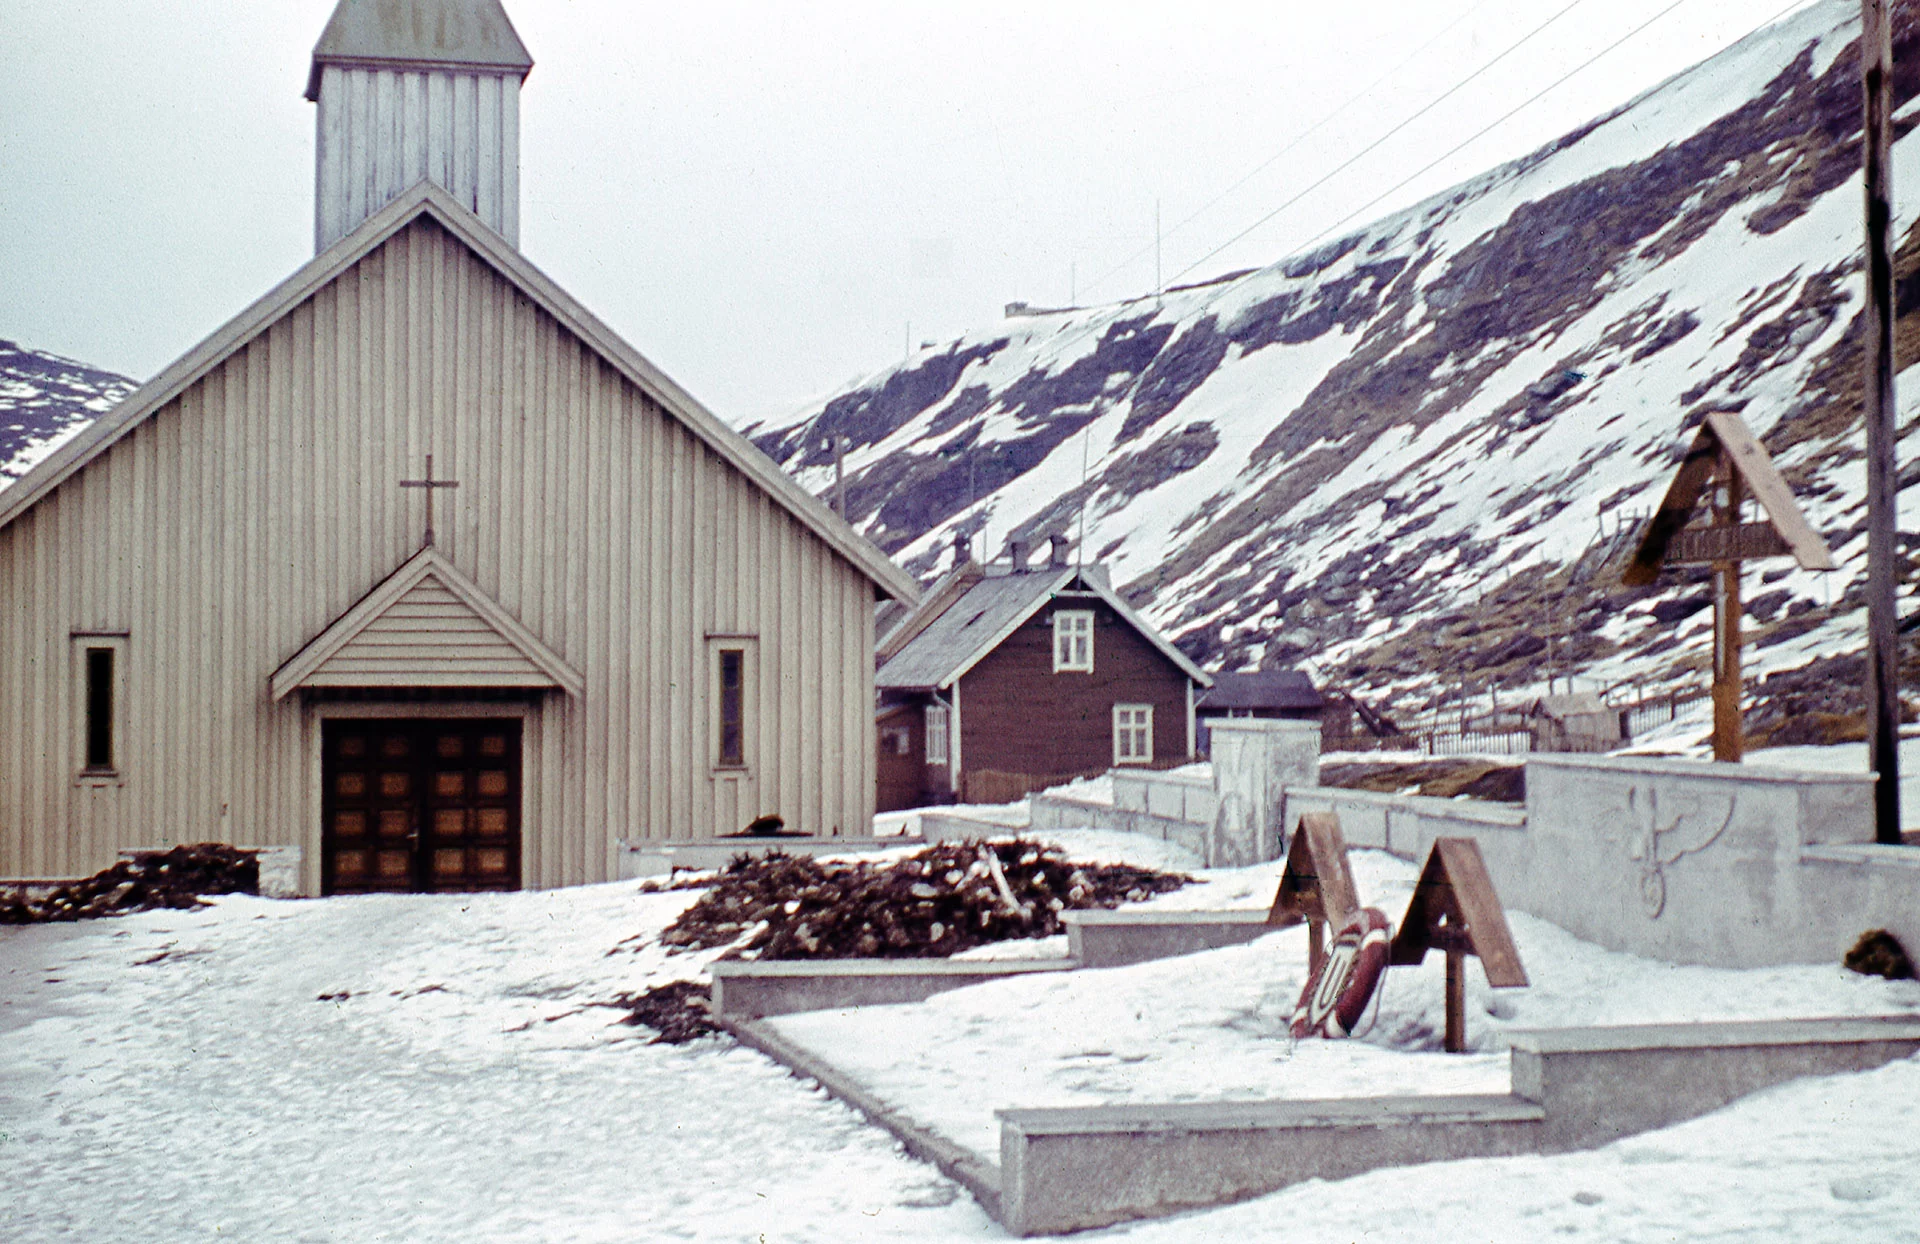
x=1069 y=1169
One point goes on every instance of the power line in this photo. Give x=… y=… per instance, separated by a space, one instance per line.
x=1267 y=163
x=1501 y=120
x=1353 y=159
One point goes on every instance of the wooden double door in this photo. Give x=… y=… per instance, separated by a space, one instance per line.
x=420 y=805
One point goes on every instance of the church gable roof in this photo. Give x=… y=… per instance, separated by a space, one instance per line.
x=419 y=34
x=425 y=625
x=427 y=200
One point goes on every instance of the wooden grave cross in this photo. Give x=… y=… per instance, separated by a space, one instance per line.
x=1317 y=884
x=1454 y=909
x=429 y=483
x=1728 y=464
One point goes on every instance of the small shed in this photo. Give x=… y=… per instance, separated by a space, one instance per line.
x=1284 y=694
x=1575 y=721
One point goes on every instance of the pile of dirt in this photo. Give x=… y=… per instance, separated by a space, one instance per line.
x=174 y=878
x=679 y=1011
x=936 y=902
x=1441 y=779
x=1879 y=953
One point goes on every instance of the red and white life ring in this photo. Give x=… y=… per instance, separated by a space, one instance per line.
x=1337 y=995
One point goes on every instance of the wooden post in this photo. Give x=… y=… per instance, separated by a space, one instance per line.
x=1883 y=673
x=1316 y=885
x=1456 y=1042
x=840 y=477
x=1728 y=735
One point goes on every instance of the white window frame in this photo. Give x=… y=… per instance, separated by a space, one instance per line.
x=1073 y=641
x=937 y=722
x=1133 y=734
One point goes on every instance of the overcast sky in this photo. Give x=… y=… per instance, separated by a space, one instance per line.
x=769 y=200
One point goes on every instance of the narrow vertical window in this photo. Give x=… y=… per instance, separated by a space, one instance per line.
x=732 y=706
x=1073 y=641
x=937 y=734
x=1133 y=734
x=100 y=710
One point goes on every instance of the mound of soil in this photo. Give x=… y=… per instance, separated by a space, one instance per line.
x=937 y=902
x=679 y=1011
x=1879 y=953
x=174 y=878
x=1442 y=779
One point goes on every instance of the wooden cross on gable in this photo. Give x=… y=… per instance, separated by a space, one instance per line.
x=429 y=483
x=1727 y=465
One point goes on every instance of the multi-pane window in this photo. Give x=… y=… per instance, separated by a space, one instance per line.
x=733 y=664
x=1073 y=640
x=1133 y=734
x=936 y=734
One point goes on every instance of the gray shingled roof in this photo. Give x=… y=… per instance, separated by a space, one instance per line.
x=1256 y=689
x=976 y=619
x=473 y=33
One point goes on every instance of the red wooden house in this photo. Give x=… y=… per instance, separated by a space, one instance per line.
x=1012 y=677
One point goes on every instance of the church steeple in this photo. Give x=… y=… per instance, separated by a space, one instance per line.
x=413 y=89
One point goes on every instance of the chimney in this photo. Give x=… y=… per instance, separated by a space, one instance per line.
x=1017 y=554
x=1057 y=553
x=962 y=548
x=411 y=91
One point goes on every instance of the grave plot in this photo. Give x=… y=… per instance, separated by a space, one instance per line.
x=1212 y=1027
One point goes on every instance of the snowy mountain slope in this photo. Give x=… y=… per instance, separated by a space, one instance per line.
x=44 y=401
x=1403 y=455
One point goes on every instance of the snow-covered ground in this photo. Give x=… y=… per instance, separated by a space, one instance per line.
x=1214 y=1025
x=409 y=1068
x=427 y=1068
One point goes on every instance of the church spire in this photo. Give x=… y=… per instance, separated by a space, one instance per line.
x=417 y=89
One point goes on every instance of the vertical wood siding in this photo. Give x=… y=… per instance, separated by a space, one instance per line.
x=1022 y=717
x=378 y=131
x=240 y=520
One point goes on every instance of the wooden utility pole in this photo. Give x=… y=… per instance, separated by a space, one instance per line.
x=1728 y=734
x=840 y=476
x=1883 y=672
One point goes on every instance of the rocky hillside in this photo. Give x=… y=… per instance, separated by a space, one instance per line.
x=1409 y=456
x=44 y=400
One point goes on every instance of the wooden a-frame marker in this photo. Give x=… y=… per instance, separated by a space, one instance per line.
x=1454 y=909
x=1317 y=885
x=1726 y=456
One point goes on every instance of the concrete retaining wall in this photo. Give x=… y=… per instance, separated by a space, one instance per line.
x=1167 y=796
x=1682 y=1071
x=1070 y=1169
x=659 y=859
x=1691 y=861
x=1111 y=939
x=1074 y=1168
x=1699 y=862
x=1407 y=824
x=1058 y=812
x=756 y=990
